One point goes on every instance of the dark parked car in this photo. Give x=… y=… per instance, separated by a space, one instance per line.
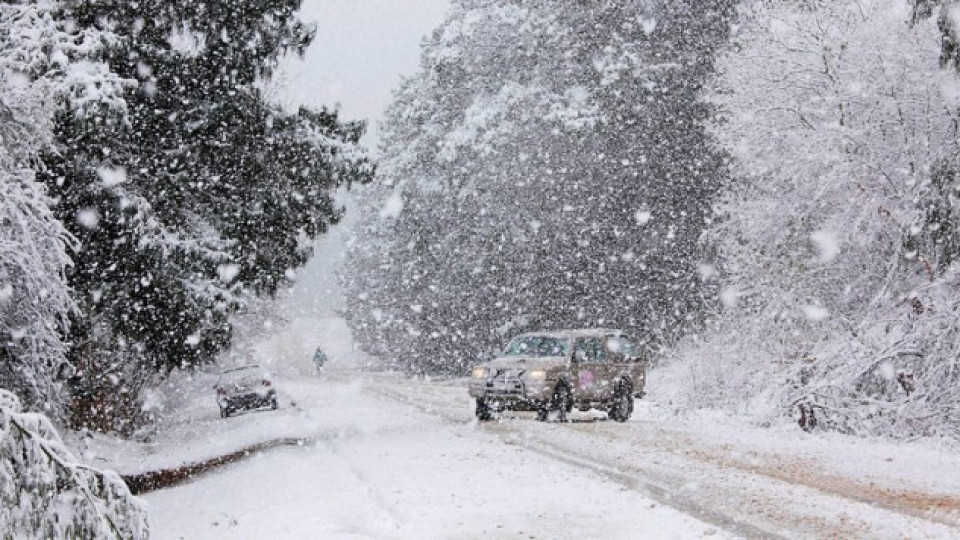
x=244 y=388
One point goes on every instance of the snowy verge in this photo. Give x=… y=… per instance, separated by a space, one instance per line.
x=916 y=465
x=191 y=431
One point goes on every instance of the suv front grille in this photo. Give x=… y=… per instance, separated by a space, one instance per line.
x=506 y=381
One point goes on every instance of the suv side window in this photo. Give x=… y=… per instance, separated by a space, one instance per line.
x=622 y=348
x=593 y=349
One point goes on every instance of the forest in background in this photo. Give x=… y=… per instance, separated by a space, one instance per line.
x=548 y=167
x=764 y=192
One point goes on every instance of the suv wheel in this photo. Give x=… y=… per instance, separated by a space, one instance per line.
x=562 y=402
x=542 y=413
x=484 y=414
x=622 y=406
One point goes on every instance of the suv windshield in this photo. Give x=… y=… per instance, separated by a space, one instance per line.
x=538 y=346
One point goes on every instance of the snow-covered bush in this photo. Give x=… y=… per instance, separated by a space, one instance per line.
x=45 y=493
x=837 y=292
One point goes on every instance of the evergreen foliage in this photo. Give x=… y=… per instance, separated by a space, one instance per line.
x=200 y=194
x=43 y=61
x=546 y=168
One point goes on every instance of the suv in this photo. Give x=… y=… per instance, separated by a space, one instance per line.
x=553 y=372
x=247 y=387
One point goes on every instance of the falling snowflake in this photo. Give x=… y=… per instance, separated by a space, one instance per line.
x=643 y=217
x=228 y=272
x=828 y=247
x=816 y=313
x=89 y=218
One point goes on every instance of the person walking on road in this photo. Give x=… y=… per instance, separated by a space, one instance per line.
x=319 y=359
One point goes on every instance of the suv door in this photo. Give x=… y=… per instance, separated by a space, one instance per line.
x=626 y=361
x=590 y=356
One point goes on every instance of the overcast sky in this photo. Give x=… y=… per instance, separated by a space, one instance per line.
x=361 y=50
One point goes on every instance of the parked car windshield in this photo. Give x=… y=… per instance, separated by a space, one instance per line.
x=541 y=346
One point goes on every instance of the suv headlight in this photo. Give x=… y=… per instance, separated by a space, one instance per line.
x=479 y=372
x=537 y=375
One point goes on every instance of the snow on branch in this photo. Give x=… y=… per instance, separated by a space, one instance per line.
x=44 y=60
x=838 y=234
x=45 y=493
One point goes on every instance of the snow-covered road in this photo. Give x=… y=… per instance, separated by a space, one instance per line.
x=381 y=468
x=746 y=481
x=395 y=458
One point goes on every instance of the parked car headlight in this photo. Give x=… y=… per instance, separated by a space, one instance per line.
x=479 y=372
x=537 y=375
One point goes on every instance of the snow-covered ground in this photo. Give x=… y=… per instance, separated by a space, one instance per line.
x=777 y=481
x=383 y=456
x=383 y=469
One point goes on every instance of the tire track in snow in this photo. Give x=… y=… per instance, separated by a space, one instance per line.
x=388 y=510
x=512 y=435
x=940 y=509
x=780 y=494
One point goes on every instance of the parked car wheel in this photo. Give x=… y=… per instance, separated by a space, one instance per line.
x=622 y=406
x=543 y=412
x=483 y=412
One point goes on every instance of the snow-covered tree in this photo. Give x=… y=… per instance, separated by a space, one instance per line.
x=838 y=293
x=43 y=61
x=546 y=168
x=199 y=196
x=46 y=493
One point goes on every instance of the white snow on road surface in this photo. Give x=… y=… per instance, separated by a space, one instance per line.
x=391 y=457
x=409 y=475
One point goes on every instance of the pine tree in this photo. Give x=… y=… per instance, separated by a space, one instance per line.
x=201 y=194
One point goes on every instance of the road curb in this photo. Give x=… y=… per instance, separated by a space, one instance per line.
x=146 y=482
